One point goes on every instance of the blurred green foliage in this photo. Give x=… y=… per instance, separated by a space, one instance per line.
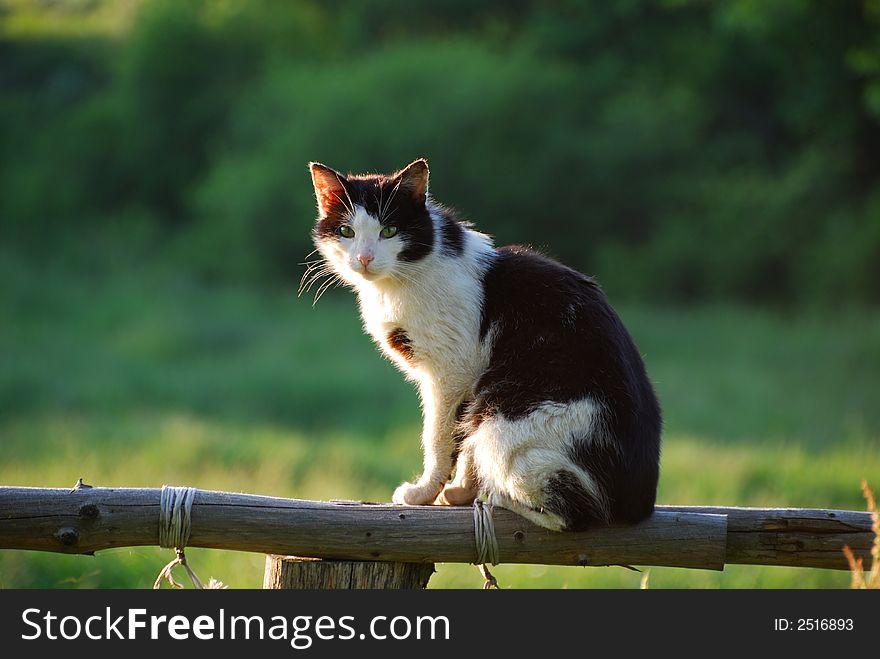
x=681 y=150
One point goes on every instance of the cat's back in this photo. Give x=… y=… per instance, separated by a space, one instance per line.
x=554 y=327
x=521 y=277
x=526 y=289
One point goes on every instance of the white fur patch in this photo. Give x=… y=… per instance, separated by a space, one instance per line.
x=516 y=458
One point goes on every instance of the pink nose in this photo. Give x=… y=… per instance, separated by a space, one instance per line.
x=365 y=259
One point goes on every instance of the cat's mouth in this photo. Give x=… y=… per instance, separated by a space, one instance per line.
x=369 y=271
x=365 y=272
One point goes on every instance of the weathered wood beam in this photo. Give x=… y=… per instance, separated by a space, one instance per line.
x=89 y=520
x=796 y=537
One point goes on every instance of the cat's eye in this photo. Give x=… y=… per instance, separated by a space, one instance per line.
x=345 y=231
x=388 y=232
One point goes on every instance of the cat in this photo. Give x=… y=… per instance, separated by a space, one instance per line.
x=532 y=390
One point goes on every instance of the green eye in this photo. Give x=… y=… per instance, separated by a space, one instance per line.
x=388 y=232
x=346 y=231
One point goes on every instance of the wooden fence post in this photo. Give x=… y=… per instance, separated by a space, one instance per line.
x=295 y=572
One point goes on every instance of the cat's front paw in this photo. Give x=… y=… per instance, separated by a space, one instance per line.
x=453 y=495
x=416 y=494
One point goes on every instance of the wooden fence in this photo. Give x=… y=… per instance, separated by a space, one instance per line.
x=86 y=520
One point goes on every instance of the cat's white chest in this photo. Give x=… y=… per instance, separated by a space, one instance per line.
x=405 y=331
x=432 y=333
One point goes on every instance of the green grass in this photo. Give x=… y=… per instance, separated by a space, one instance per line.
x=146 y=378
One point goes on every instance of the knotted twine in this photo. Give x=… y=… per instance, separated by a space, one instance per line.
x=486 y=542
x=175 y=523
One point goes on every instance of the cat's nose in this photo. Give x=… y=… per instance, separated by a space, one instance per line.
x=365 y=259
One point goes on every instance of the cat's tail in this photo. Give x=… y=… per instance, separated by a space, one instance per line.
x=580 y=508
x=626 y=477
x=568 y=500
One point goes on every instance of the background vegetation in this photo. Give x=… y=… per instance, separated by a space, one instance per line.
x=714 y=164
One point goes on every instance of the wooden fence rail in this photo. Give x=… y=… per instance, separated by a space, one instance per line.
x=91 y=519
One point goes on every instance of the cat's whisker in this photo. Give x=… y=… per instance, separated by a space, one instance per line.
x=344 y=189
x=419 y=244
x=313 y=267
x=350 y=209
x=307 y=285
x=308 y=261
x=311 y=282
x=323 y=289
x=400 y=271
x=381 y=207
x=303 y=289
x=334 y=280
x=403 y=278
x=378 y=199
x=394 y=193
x=306 y=290
x=310 y=270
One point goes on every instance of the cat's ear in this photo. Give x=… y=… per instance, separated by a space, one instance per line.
x=329 y=187
x=414 y=179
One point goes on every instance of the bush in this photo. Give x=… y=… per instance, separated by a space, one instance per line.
x=681 y=151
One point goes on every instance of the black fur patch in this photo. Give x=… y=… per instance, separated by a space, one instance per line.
x=557 y=339
x=451 y=232
x=626 y=469
x=399 y=340
x=567 y=498
x=376 y=193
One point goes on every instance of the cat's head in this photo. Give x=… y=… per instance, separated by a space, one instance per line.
x=371 y=226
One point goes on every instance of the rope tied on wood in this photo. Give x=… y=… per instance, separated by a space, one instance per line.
x=175 y=516
x=486 y=542
x=175 y=524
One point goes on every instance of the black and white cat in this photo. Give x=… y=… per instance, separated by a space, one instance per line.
x=531 y=387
